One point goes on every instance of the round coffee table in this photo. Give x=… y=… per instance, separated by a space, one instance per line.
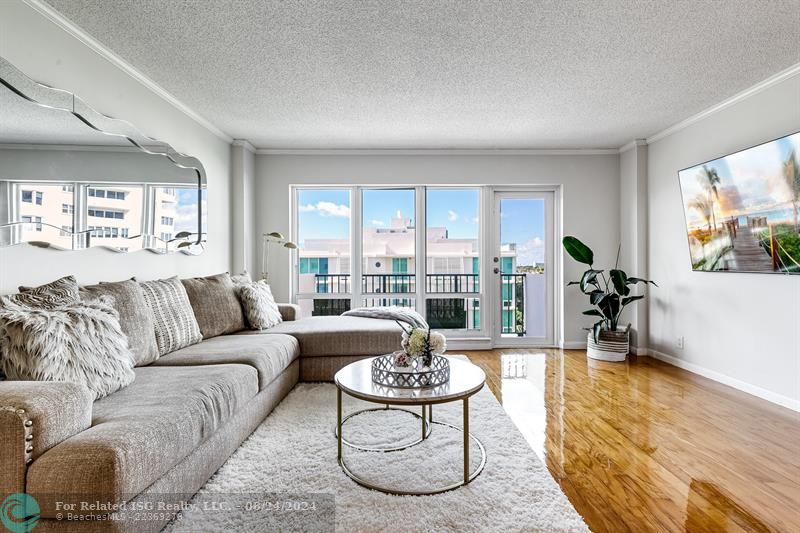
x=355 y=380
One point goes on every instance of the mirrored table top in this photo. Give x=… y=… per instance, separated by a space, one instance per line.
x=465 y=380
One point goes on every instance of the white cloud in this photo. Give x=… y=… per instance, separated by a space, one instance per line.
x=327 y=209
x=530 y=252
x=376 y=222
x=475 y=220
x=452 y=216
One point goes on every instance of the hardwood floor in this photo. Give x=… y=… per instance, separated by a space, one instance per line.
x=645 y=446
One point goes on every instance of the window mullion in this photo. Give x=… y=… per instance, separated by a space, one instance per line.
x=356 y=240
x=421 y=260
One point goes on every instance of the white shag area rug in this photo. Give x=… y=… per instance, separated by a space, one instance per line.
x=285 y=475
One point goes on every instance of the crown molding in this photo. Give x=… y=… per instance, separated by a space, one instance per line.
x=65 y=24
x=633 y=144
x=453 y=151
x=244 y=143
x=775 y=79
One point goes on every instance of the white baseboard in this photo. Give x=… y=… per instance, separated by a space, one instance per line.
x=573 y=345
x=764 y=394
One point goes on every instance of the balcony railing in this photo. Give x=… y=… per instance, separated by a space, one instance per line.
x=446 y=313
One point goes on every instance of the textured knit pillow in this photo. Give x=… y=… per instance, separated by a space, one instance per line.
x=173 y=318
x=57 y=293
x=135 y=317
x=80 y=343
x=259 y=305
x=215 y=304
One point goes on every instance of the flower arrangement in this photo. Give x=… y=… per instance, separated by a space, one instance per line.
x=419 y=345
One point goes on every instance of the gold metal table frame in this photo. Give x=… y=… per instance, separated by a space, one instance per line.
x=403 y=398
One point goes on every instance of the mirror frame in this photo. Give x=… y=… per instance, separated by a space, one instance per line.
x=62 y=100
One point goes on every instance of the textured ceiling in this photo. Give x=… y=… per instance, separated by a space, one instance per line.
x=446 y=74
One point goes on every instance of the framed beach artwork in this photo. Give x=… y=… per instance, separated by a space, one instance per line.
x=742 y=209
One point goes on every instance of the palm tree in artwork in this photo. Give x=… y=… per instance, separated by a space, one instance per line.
x=704 y=207
x=791 y=172
x=710 y=180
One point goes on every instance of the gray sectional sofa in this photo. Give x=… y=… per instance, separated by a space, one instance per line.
x=163 y=436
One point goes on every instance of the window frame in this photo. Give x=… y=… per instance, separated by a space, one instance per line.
x=420 y=297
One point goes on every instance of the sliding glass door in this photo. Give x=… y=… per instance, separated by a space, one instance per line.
x=476 y=262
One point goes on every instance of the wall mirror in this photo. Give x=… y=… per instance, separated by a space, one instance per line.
x=72 y=178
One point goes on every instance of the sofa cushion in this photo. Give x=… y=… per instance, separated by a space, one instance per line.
x=141 y=432
x=268 y=354
x=259 y=305
x=175 y=324
x=135 y=316
x=63 y=291
x=215 y=304
x=78 y=343
x=340 y=335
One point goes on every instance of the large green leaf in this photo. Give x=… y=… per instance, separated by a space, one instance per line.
x=610 y=306
x=619 y=279
x=632 y=281
x=593 y=312
x=590 y=278
x=578 y=251
x=596 y=328
x=596 y=296
x=630 y=299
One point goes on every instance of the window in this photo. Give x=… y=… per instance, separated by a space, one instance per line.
x=178 y=208
x=399 y=265
x=66 y=188
x=106 y=213
x=32 y=197
x=323 y=262
x=67 y=209
x=33 y=220
x=453 y=259
x=388 y=241
x=66 y=231
x=103 y=193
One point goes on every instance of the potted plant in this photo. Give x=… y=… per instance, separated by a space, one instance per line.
x=609 y=295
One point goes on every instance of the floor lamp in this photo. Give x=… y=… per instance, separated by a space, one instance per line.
x=268 y=240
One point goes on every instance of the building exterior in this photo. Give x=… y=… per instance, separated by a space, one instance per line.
x=389 y=268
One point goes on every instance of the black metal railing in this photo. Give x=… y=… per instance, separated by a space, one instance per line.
x=512 y=316
x=330 y=307
x=452 y=283
x=331 y=283
x=441 y=313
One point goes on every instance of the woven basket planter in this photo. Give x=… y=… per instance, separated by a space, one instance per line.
x=611 y=345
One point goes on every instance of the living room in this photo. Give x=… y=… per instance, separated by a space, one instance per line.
x=401 y=266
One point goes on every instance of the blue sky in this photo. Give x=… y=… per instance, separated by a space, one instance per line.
x=522 y=222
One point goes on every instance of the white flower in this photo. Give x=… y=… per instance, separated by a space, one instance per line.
x=438 y=343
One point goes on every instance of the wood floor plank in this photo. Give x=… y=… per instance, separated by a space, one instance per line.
x=645 y=446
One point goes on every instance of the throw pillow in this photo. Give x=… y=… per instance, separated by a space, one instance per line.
x=174 y=323
x=135 y=317
x=63 y=291
x=259 y=305
x=81 y=343
x=215 y=305
x=240 y=279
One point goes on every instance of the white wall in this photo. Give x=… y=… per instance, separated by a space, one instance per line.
x=590 y=197
x=48 y=54
x=743 y=329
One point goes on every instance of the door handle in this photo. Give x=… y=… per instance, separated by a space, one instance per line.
x=496 y=270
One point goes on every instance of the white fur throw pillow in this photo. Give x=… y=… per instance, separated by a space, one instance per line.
x=80 y=343
x=259 y=305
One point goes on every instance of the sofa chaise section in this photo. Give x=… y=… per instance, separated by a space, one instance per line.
x=329 y=343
